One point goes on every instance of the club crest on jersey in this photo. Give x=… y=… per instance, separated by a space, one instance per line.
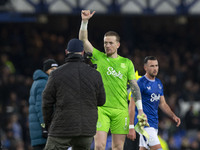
x=148 y=87
x=154 y=97
x=123 y=65
x=111 y=71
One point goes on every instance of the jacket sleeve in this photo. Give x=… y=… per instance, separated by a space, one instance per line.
x=101 y=97
x=49 y=100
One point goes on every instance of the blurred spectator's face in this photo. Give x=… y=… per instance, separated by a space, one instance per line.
x=198 y=136
x=151 y=68
x=111 y=45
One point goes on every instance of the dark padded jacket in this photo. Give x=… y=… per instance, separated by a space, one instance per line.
x=71 y=97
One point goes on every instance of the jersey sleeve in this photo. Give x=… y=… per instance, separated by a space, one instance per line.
x=131 y=71
x=162 y=90
x=96 y=55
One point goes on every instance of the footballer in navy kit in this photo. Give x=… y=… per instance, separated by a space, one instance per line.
x=152 y=97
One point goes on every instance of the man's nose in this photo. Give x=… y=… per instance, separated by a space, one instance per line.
x=107 y=45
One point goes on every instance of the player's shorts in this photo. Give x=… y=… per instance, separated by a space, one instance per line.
x=153 y=138
x=116 y=120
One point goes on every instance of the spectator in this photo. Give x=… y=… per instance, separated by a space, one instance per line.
x=37 y=133
x=192 y=121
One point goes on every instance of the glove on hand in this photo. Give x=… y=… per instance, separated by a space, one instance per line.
x=44 y=131
x=142 y=120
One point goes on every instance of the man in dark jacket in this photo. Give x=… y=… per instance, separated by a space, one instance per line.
x=70 y=101
x=35 y=104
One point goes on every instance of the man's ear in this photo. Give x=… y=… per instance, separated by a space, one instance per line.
x=118 y=45
x=145 y=67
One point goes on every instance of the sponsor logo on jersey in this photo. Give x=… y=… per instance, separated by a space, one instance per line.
x=111 y=71
x=154 y=97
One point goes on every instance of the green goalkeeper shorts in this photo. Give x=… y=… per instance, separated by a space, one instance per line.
x=116 y=120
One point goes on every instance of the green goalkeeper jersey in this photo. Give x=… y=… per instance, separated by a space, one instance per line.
x=115 y=72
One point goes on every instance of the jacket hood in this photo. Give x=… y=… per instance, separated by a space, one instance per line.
x=39 y=74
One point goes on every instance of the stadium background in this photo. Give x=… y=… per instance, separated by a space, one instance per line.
x=33 y=30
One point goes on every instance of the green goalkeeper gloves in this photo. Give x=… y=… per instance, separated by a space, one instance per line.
x=142 y=121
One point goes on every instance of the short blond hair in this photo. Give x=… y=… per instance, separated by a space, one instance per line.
x=113 y=33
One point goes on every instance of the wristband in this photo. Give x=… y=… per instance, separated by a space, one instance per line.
x=131 y=126
x=84 y=25
x=139 y=104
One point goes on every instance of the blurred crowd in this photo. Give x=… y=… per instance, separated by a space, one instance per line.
x=23 y=47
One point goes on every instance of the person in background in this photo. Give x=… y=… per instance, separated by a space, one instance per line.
x=70 y=101
x=152 y=97
x=38 y=134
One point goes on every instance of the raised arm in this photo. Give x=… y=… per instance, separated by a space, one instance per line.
x=167 y=110
x=83 y=33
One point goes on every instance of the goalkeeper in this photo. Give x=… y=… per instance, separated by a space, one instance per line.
x=152 y=97
x=116 y=72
